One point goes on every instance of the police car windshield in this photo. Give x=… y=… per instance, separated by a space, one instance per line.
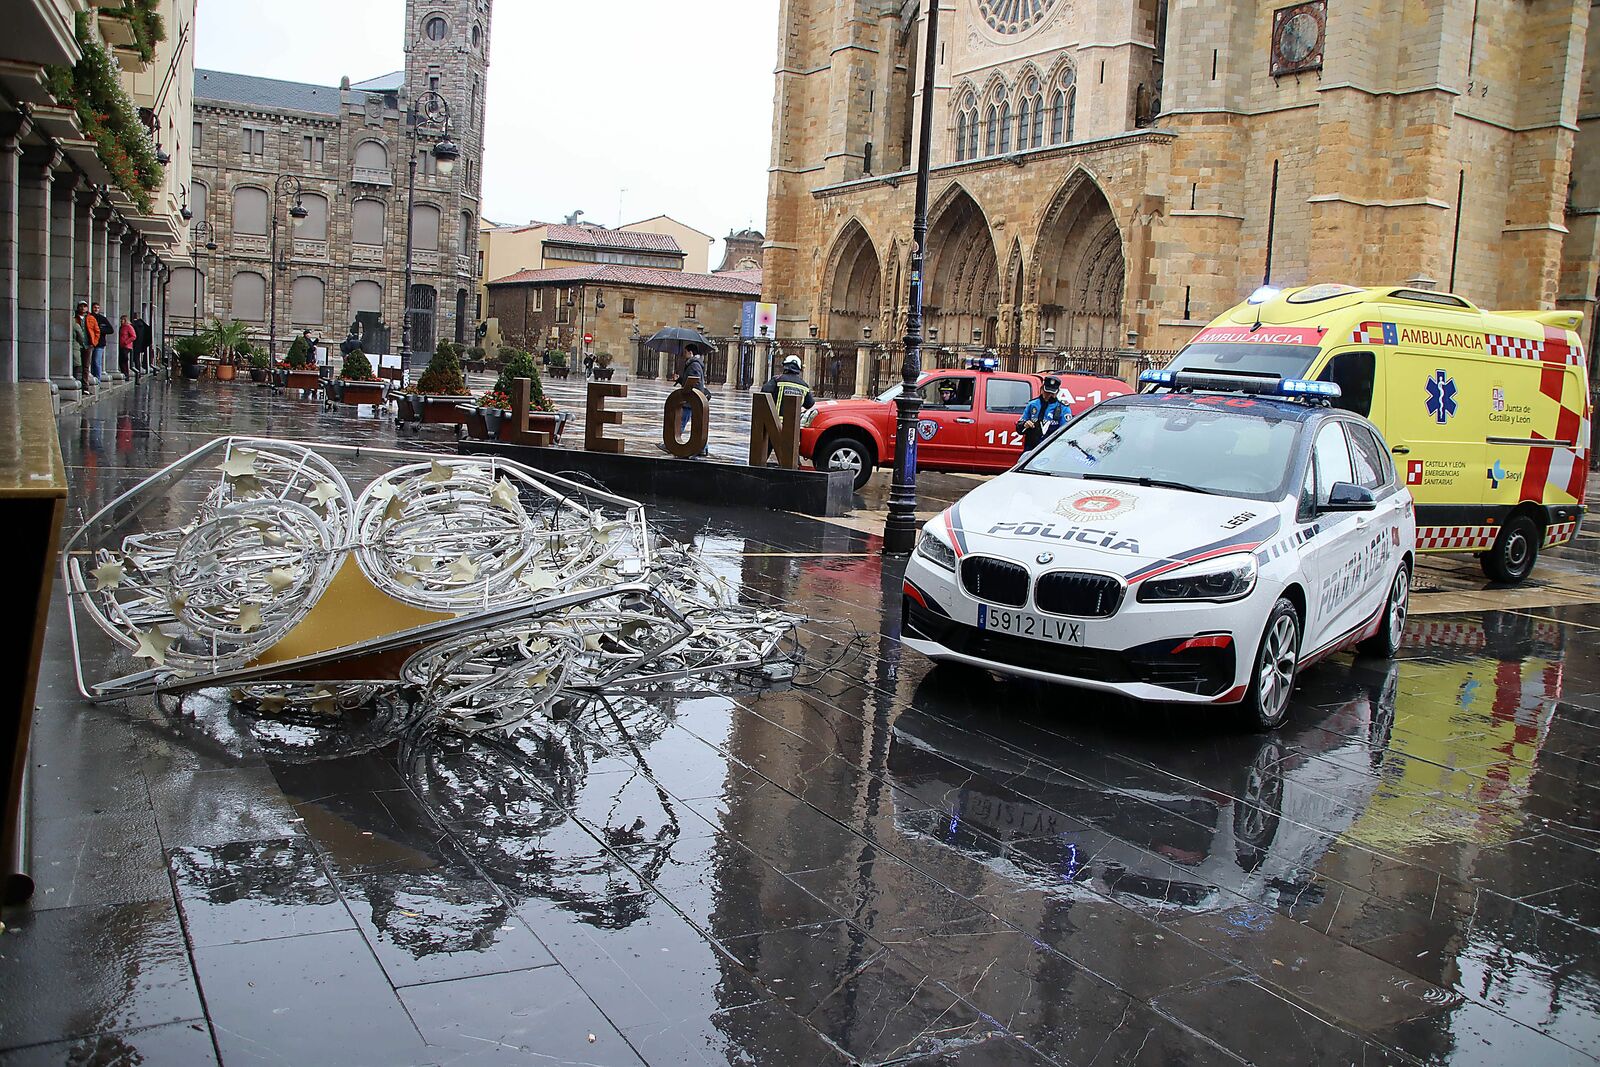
x=1175 y=441
x=1285 y=361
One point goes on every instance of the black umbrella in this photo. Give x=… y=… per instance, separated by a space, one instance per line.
x=677 y=340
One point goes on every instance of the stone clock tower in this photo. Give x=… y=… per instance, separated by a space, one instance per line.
x=447 y=52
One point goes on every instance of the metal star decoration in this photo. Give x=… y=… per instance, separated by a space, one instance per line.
x=240 y=462
x=439 y=472
x=536 y=579
x=109 y=574
x=249 y=618
x=463 y=569
x=395 y=509
x=325 y=493
x=153 y=645
x=505 y=496
x=280 y=578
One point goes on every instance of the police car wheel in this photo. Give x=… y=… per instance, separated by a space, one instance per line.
x=1515 y=551
x=846 y=454
x=1386 y=642
x=1277 y=663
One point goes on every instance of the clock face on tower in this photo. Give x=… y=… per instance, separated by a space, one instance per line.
x=1298 y=35
x=1010 y=17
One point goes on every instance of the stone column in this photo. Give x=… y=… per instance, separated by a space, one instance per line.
x=112 y=304
x=160 y=278
x=763 y=361
x=63 y=301
x=100 y=268
x=33 y=266
x=863 y=369
x=10 y=177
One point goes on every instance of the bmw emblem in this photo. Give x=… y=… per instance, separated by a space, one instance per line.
x=1046 y=557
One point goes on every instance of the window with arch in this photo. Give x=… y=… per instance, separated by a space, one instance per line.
x=1005 y=128
x=435 y=28
x=468 y=233
x=372 y=155
x=1063 y=107
x=249 y=297
x=967 y=127
x=993 y=120
x=186 y=292
x=1030 y=115
x=306 y=300
x=366 y=221
x=477 y=35
x=197 y=200
x=365 y=296
x=314 y=227
x=425 y=228
x=250 y=210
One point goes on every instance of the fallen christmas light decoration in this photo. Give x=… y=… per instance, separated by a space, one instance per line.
x=477 y=588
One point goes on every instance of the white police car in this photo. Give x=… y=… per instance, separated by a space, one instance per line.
x=1198 y=543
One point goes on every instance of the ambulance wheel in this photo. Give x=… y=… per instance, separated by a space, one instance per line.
x=1277 y=663
x=1515 y=551
x=1392 y=628
x=846 y=453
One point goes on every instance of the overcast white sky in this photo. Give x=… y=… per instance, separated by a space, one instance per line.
x=670 y=101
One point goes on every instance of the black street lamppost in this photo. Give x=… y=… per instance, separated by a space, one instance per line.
x=196 y=232
x=430 y=113
x=900 y=528
x=287 y=187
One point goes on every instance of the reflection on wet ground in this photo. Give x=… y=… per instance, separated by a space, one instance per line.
x=882 y=863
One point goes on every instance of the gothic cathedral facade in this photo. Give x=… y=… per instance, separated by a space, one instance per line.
x=349 y=155
x=1107 y=176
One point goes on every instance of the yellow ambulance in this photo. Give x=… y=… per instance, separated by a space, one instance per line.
x=1487 y=413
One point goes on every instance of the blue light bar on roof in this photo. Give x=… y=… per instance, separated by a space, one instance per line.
x=1157 y=377
x=1301 y=387
x=983 y=363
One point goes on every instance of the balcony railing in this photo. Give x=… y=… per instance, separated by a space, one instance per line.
x=372 y=175
x=248 y=244
x=308 y=249
x=367 y=255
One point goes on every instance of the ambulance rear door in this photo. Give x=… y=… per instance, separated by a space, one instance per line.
x=1435 y=422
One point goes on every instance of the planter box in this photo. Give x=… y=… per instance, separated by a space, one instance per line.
x=308 y=380
x=360 y=392
x=478 y=425
x=226 y=372
x=418 y=408
x=258 y=375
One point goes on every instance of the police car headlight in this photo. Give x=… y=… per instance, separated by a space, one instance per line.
x=1223 y=578
x=935 y=551
x=807 y=417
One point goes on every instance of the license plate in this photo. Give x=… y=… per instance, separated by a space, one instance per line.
x=1027 y=624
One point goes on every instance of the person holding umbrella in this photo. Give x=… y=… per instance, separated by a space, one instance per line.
x=693 y=344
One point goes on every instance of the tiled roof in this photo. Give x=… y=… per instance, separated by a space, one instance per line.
x=751 y=276
x=600 y=237
x=636 y=277
x=383 y=83
x=246 y=89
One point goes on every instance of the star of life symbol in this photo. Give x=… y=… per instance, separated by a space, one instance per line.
x=1441 y=397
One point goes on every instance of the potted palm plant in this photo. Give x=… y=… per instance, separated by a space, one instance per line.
x=226 y=337
x=190 y=351
x=260 y=365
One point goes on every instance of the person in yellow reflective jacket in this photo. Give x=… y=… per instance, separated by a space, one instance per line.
x=788 y=384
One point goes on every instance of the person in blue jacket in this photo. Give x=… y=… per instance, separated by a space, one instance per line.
x=1043 y=414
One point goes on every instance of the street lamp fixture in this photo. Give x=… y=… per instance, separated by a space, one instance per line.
x=196 y=232
x=866 y=333
x=813 y=330
x=900 y=527
x=287 y=187
x=977 y=335
x=445 y=154
x=1049 y=336
x=429 y=116
x=933 y=335
x=163 y=157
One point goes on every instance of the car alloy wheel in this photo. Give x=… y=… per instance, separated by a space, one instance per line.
x=1275 y=668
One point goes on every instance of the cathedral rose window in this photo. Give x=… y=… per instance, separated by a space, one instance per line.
x=1014 y=16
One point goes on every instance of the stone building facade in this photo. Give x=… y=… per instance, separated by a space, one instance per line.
x=345 y=154
x=1113 y=175
x=553 y=308
x=68 y=231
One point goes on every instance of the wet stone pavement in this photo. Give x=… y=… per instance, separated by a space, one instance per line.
x=883 y=863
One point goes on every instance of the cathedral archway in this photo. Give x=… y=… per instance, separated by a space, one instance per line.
x=854 y=285
x=962 y=289
x=1079 y=268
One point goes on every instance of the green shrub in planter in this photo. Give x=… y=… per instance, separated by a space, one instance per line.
x=357 y=367
x=514 y=364
x=259 y=360
x=443 y=376
x=299 y=352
